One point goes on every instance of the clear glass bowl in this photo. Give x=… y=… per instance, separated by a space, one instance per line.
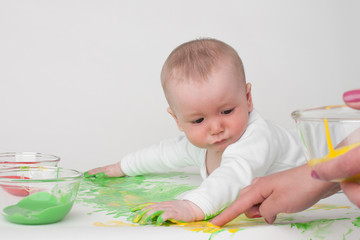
x=327 y=132
x=37 y=195
x=13 y=159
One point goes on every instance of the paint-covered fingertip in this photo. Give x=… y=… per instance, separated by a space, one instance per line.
x=159 y=221
x=95 y=175
x=209 y=224
x=141 y=206
x=176 y=221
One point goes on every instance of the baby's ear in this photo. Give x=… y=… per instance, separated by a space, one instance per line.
x=248 y=97
x=169 y=110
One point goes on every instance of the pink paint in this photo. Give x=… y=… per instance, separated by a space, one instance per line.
x=16 y=190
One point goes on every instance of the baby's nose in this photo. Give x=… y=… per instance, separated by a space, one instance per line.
x=216 y=127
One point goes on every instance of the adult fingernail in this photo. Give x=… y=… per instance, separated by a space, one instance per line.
x=352 y=96
x=314 y=175
x=266 y=221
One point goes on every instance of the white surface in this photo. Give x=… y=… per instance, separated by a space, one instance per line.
x=80 y=78
x=79 y=223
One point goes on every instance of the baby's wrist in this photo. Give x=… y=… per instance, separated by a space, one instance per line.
x=198 y=214
x=120 y=169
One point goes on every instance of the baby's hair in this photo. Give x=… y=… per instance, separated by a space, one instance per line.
x=197 y=58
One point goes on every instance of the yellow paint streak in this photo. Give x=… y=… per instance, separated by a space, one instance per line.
x=209 y=224
x=333 y=153
x=114 y=224
x=323 y=206
x=233 y=230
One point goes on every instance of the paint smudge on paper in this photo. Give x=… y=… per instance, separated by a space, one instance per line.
x=324 y=206
x=356 y=222
x=319 y=228
x=346 y=234
x=116 y=196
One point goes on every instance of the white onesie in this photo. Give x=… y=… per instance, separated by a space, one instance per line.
x=264 y=148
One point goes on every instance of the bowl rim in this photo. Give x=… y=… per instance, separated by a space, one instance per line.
x=53 y=158
x=327 y=112
x=12 y=170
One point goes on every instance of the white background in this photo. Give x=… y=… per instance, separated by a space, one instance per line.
x=80 y=78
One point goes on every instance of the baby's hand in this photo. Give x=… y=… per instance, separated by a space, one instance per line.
x=113 y=170
x=174 y=211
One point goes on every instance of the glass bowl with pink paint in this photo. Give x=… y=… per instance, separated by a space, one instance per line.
x=327 y=132
x=34 y=195
x=13 y=159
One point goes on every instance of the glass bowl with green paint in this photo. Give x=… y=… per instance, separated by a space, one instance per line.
x=13 y=159
x=35 y=195
x=328 y=132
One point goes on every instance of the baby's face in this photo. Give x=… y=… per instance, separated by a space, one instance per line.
x=214 y=113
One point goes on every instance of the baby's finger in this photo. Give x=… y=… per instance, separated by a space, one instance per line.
x=168 y=215
x=95 y=175
x=139 y=216
x=176 y=221
x=94 y=171
x=141 y=206
x=150 y=217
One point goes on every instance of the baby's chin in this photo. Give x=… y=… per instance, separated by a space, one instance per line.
x=220 y=146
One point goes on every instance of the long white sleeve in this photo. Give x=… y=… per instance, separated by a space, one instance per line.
x=168 y=154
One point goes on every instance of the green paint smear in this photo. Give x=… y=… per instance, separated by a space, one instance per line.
x=356 y=222
x=213 y=235
x=319 y=227
x=344 y=236
x=39 y=208
x=116 y=196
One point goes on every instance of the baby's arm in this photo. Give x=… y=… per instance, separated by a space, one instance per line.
x=168 y=154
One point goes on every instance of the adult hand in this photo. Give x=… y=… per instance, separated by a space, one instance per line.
x=346 y=165
x=343 y=166
x=289 y=191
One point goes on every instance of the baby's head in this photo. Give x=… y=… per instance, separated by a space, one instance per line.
x=204 y=84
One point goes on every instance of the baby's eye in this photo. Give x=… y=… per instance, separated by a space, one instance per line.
x=198 y=120
x=227 y=111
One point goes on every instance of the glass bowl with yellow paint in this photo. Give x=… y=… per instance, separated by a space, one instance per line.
x=327 y=132
x=13 y=159
x=33 y=195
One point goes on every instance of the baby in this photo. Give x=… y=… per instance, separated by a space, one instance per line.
x=204 y=84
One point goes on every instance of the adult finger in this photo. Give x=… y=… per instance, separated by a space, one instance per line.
x=245 y=202
x=253 y=212
x=343 y=166
x=270 y=207
x=352 y=98
x=352 y=191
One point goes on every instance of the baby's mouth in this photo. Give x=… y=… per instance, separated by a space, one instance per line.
x=220 y=142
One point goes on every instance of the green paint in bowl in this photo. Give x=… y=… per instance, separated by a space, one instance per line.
x=38 y=208
x=37 y=195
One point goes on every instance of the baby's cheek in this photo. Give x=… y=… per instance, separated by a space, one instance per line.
x=197 y=140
